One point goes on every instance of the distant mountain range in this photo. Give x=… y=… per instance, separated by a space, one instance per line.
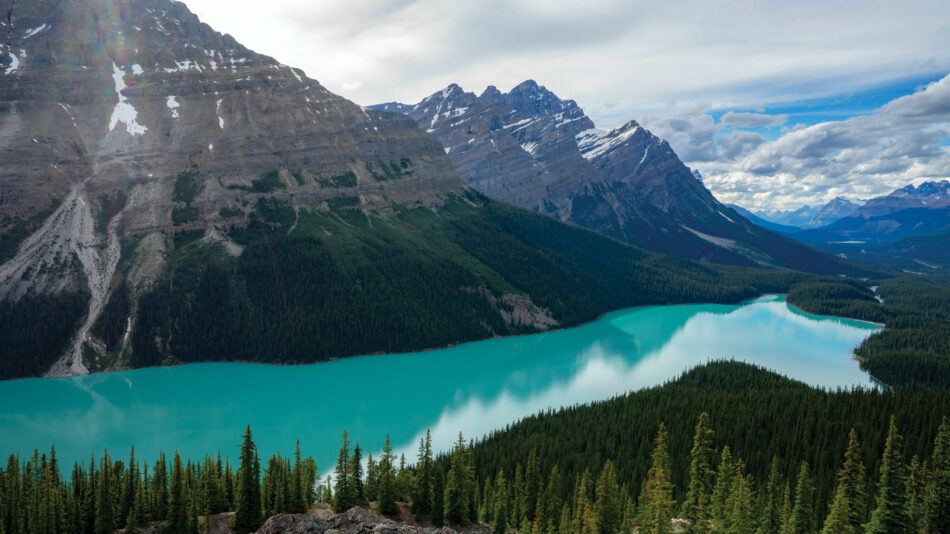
x=906 y=228
x=808 y=216
x=535 y=150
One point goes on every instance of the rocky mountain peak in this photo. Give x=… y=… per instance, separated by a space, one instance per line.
x=133 y=120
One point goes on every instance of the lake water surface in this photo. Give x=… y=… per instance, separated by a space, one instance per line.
x=474 y=388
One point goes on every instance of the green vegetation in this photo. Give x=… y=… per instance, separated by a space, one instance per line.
x=18 y=229
x=108 y=494
x=35 y=331
x=914 y=350
x=187 y=187
x=349 y=282
x=184 y=215
x=744 y=451
x=383 y=172
x=347 y=179
x=267 y=183
x=112 y=323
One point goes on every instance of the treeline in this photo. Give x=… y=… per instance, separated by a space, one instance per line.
x=606 y=475
x=344 y=282
x=35 y=331
x=746 y=451
x=108 y=494
x=914 y=350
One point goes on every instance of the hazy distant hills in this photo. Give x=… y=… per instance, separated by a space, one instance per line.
x=906 y=228
x=808 y=216
x=533 y=149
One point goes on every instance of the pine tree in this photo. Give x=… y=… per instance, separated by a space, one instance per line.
x=889 y=514
x=839 y=516
x=422 y=494
x=499 y=523
x=724 y=474
x=532 y=484
x=105 y=497
x=607 y=503
x=771 y=521
x=247 y=515
x=802 y=518
x=343 y=494
x=937 y=517
x=459 y=485
x=387 y=481
x=916 y=491
x=656 y=499
x=356 y=476
x=551 y=498
x=371 y=488
x=438 y=498
x=696 y=506
x=786 y=510
x=740 y=503
x=581 y=500
x=854 y=477
x=177 y=520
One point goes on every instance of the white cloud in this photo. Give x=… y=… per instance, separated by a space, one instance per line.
x=857 y=157
x=663 y=62
x=619 y=59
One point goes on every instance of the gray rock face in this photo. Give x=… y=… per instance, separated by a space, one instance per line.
x=131 y=119
x=354 y=521
x=837 y=208
x=928 y=195
x=531 y=148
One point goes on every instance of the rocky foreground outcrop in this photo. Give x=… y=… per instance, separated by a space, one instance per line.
x=354 y=521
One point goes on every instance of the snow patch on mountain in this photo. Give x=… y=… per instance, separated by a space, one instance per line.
x=172 y=103
x=124 y=112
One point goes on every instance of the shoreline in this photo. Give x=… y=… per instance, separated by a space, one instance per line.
x=460 y=343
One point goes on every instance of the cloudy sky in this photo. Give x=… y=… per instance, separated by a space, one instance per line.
x=777 y=103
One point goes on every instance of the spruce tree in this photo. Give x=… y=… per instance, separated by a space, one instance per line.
x=459 y=485
x=422 y=494
x=551 y=498
x=854 y=477
x=499 y=522
x=889 y=514
x=247 y=514
x=802 y=518
x=656 y=500
x=724 y=474
x=105 y=497
x=371 y=488
x=771 y=520
x=916 y=492
x=839 y=516
x=387 y=481
x=356 y=476
x=607 y=501
x=740 y=503
x=696 y=506
x=343 y=494
x=532 y=484
x=177 y=520
x=937 y=516
x=438 y=498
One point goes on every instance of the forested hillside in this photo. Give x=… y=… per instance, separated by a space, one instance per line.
x=914 y=350
x=727 y=447
x=316 y=284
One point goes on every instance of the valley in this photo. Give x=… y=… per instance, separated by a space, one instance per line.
x=481 y=312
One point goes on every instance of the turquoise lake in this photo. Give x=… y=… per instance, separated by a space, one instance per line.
x=474 y=388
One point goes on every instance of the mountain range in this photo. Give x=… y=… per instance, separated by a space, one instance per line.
x=810 y=217
x=169 y=195
x=533 y=149
x=907 y=229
